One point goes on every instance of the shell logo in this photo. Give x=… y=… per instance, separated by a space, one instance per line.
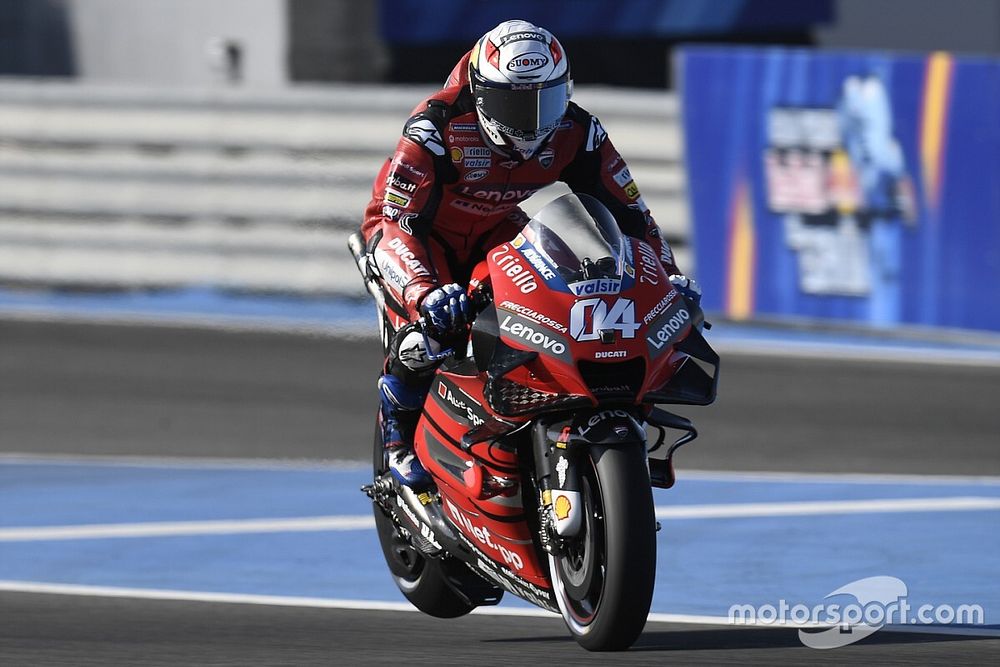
x=562 y=507
x=457 y=154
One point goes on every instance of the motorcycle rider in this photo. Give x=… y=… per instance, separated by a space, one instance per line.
x=502 y=128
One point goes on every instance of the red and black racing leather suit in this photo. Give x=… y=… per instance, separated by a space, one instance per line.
x=445 y=198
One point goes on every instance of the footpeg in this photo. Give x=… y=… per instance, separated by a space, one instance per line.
x=379 y=488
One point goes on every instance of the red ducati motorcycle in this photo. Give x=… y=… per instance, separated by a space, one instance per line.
x=535 y=432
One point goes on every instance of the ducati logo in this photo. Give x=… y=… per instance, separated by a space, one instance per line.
x=546 y=157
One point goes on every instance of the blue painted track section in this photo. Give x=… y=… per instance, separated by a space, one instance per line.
x=704 y=565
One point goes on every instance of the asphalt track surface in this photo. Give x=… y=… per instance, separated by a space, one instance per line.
x=93 y=631
x=159 y=391
x=152 y=391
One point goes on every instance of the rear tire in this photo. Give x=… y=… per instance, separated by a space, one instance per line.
x=424 y=581
x=604 y=583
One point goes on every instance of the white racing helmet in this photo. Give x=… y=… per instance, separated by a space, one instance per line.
x=520 y=82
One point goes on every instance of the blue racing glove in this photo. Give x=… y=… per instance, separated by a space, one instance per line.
x=688 y=288
x=447 y=308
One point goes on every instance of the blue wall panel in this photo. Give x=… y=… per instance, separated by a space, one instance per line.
x=861 y=186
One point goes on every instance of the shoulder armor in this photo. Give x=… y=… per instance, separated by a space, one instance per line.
x=422 y=129
x=426 y=126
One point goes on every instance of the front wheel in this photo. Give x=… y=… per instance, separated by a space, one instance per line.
x=604 y=578
x=424 y=581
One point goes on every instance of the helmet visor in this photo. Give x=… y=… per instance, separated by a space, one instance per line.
x=523 y=110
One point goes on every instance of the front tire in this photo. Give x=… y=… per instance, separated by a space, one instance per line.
x=423 y=581
x=604 y=580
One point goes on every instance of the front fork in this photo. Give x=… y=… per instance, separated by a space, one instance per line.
x=559 y=446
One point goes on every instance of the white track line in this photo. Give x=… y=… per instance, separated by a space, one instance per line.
x=834 y=477
x=184 y=462
x=860 y=352
x=808 y=508
x=179 y=528
x=238 y=324
x=44 y=588
x=364 y=522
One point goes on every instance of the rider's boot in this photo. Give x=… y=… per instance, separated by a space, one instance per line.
x=400 y=411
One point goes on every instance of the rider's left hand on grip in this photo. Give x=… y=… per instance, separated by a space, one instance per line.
x=447 y=308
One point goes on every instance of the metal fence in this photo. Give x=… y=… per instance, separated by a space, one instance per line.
x=104 y=187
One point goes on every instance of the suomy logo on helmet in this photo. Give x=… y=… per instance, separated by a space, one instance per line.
x=528 y=62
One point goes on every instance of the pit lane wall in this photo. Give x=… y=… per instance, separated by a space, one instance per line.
x=857 y=186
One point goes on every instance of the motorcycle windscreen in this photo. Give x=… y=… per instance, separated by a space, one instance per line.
x=579 y=236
